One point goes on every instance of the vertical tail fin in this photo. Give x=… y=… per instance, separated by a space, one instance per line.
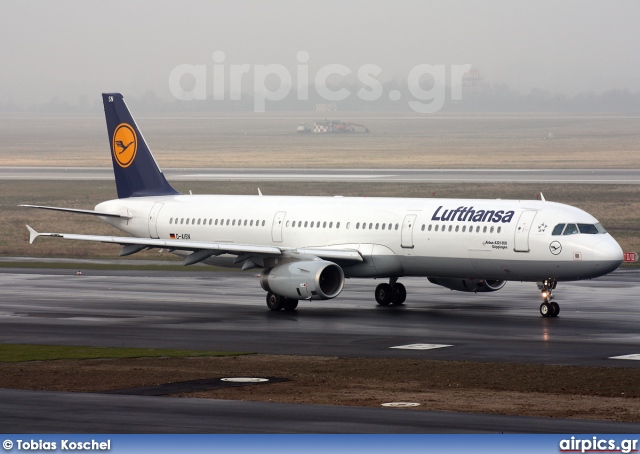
x=136 y=171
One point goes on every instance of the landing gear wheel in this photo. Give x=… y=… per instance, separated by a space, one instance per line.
x=384 y=294
x=545 y=309
x=274 y=302
x=556 y=309
x=289 y=304
x=399 y=294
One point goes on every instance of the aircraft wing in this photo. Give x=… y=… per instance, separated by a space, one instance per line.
x=78 y=211
x=202 y=248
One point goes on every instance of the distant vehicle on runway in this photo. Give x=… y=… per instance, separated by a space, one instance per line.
x=307 y=246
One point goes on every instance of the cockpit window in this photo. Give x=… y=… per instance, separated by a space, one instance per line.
x=588 y=228
x=571 y=229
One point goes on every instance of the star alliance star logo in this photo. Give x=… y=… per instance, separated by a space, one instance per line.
x=542 y=228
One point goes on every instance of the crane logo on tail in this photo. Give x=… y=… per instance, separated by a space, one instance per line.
x=124 y=145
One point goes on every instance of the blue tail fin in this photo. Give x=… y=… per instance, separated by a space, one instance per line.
x=136 y=171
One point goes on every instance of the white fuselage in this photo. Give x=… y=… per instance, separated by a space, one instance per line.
x=457 y=238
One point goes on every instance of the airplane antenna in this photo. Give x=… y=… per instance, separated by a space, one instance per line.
x=259 y=192
x=190 y=193
x=542 y=197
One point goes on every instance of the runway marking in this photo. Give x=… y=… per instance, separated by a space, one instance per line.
x=421 y=346
x=633 y=357
x=401 y=404
x=245 y=380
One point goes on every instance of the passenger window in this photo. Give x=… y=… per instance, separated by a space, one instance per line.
x=311 y=224
x=450 y=228
x=287 y=225
x=557 y=230
x=193 y=221
x=216 y=222
x=464 y=228
x=499 y=229
x=210 y=221
x=570 y=229
x=198 y=221
x=478 y=229
x=491 y=229
x=429 y=229
x=484 y=229
x=331 y=224
x=423 y=227
x=377 y=225
x=187 y=221
x=306 y=223
x=324 y=225
x=245 y=222
x=396 y=226
x=262 y=223
x=234 y=222
x=357 y=225
x=338 y=225
x=318 y=224
x=457 y=228
x=170 y=220
x=436 y=227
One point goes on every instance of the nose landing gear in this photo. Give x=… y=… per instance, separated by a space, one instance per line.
x=548 y=308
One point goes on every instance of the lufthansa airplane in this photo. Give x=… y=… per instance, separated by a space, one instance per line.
x=307 y=246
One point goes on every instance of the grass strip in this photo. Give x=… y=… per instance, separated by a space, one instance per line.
x=35 y=352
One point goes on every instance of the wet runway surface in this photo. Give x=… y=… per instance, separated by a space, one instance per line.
x=591 y=176
x=226 y=311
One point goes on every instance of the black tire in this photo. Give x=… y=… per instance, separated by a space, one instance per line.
x=545 y=309
x=399 y=294
x=384 y=294
x=274 y=302
x=556 y=309
x=290 y=304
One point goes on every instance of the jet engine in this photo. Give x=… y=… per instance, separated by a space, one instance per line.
x=307 y=279
x=469 y=285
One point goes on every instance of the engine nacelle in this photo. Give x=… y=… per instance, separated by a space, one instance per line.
x=469 y=285
x=307 y=279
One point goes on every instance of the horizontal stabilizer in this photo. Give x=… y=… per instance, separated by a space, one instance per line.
x=77 y=211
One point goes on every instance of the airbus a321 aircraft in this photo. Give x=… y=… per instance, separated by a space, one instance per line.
x=307 y=246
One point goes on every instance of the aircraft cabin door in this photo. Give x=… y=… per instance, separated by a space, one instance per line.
x=276 y=229
x=407 y=231
x=523 y=228
x=153 y=219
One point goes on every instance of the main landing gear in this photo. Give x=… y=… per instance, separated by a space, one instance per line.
x=548 y=308
x=277 y=302
x=392 y=293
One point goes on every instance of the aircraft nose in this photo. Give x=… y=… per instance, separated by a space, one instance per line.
x=608 y=254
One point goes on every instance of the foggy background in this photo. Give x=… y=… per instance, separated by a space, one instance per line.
x=528 y=56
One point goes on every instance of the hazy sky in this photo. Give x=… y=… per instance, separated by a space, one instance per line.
x=74 y=48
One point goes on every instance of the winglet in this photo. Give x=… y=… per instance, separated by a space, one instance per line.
x=32 y=234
